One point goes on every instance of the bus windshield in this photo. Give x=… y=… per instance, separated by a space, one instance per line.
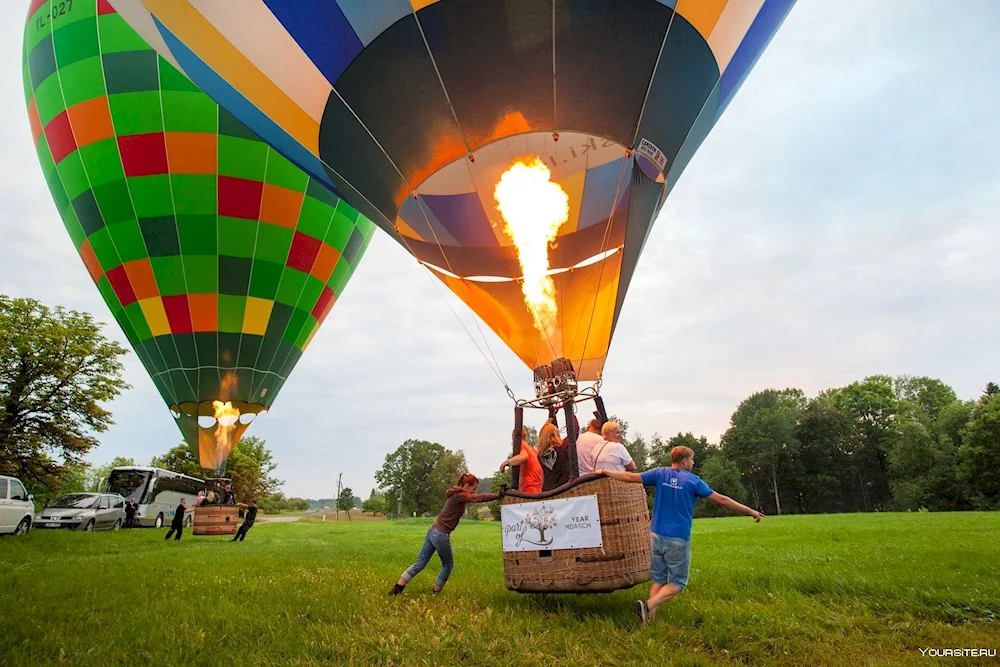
x=129 y=484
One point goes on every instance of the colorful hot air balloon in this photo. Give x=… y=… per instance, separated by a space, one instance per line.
x=217 y=256
x=414 y=110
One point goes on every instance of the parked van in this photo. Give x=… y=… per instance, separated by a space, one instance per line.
x=16 y=507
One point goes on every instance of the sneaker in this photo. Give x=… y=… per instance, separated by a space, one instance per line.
x=642 y=611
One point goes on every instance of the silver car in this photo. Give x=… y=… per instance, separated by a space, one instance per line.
x=84 y=511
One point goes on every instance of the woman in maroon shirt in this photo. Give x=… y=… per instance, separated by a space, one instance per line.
x=438 y=537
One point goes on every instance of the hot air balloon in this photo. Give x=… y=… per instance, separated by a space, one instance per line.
x=217 y=256
x=519 y=149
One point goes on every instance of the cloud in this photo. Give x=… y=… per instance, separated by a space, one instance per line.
x=838 y=222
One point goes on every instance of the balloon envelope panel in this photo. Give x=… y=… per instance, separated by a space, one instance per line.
x=218 y=257
x=412 y=108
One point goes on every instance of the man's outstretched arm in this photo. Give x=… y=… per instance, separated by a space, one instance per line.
x=633 y=477
x=730 y=504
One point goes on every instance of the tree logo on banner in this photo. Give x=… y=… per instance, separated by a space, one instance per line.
x=541 y=520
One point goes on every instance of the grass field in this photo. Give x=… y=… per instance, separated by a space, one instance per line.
x=809 y=590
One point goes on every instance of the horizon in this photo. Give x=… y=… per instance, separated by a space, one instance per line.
x=838 y=222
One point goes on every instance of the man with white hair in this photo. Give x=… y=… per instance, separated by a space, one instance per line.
x=611 y=453
x=586 y=444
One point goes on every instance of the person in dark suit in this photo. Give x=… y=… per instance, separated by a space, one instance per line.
x=177 y=525
x=131 y=509
x=248 y=519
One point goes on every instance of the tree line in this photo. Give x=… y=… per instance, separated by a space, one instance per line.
x=882 y=443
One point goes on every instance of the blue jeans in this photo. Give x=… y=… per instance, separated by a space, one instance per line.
x=669 y=560
x=435 y=540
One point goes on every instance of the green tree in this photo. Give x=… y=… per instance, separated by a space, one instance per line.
x=724 y=477
x=251 y=467
x=916 y=467
x=345 y=503
x=499 y=479
x=980 y=453
x=98 y=477
x=376 y=504
x=638 y=449
x=56 y=370
x=410 y=469
x=762 y=439
x=872 y=406
x=274 y=503
x=72 y=478
x=826 y=479
x=445 y=474
x=700 y=446
x=927 y=395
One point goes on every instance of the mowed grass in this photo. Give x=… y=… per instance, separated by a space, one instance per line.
x=806 y=590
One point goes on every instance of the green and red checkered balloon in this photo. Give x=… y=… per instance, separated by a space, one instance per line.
x=217 y=256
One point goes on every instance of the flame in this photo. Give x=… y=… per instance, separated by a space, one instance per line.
x=227 y=417
x=533 y=208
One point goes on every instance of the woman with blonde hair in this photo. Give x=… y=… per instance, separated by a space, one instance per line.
x=553 y=456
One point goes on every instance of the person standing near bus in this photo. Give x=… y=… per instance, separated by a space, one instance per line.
x=248 y=519
x=131 y=509
x=177 y=525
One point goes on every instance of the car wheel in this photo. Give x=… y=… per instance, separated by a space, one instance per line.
x=118 y=524
x=159 y=521
x=23 y=527
x=89 y=527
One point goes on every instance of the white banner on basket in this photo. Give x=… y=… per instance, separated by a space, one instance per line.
x=566 y=523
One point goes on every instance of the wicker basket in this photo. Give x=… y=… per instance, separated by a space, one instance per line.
x=216 y=519
x=624 y=561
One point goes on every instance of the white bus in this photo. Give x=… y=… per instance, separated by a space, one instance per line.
x=157 y=491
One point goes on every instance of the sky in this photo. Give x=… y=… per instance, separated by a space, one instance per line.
x=839 y=221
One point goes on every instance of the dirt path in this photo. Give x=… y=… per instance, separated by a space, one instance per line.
x=279 y=519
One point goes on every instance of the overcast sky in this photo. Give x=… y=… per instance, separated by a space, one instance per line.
x=841 y=220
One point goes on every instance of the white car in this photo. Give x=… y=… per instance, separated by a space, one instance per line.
x=16 y=507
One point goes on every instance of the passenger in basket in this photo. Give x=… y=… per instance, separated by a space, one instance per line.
x=677 y=489
x=530 y=480
x=611 y=453
x=438 y=536
x=554 y=457
x=586 y=444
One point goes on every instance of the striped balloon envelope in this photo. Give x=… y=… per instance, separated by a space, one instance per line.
x=414 y=110
x=218 y=257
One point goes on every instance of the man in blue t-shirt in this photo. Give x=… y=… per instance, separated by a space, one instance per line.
x=677 y=489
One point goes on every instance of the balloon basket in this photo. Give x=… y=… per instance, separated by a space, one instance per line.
x=216 y=519
x=621 y=563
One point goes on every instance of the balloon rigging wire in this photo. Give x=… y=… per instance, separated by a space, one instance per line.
x=496 y=371
x=600 y=276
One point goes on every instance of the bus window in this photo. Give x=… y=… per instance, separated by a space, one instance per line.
x=129 y=484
